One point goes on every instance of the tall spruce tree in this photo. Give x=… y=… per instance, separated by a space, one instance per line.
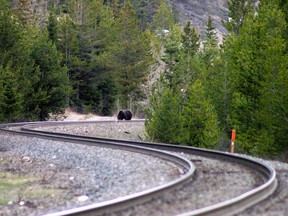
x=190 y=43
x=52 y=26
x=171 y=55
x=163 y=18
x=210 y=43
x=165 y=124
x=16 y=39
x=128 y=57
x=258 y=67
x=53 y=86
x=200 y=121
x=214 y=76
x=11 y=98
x=238 y=11
x=10 y=32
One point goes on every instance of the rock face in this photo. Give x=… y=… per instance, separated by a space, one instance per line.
x=197 y=11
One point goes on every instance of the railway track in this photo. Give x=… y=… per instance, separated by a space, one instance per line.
x=228 y=207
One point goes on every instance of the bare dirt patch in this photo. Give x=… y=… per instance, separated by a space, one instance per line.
x=71 y=115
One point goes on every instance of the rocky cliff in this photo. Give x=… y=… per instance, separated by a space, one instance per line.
x=197 y=11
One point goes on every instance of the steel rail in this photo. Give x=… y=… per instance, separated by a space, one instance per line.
x=128 y=200
x=229 y=207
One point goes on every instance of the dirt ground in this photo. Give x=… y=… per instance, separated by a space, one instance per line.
x=71 y=115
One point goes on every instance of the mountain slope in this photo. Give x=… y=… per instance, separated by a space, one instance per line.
x=197 y=11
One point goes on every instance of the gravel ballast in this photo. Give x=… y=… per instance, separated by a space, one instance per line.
x=75 y=175
x=215 y=181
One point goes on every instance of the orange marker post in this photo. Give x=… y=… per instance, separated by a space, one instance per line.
x=233 y=136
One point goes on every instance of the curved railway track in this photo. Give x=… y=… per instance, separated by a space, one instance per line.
x=229 y=207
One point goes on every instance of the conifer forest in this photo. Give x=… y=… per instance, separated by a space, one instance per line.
x=192 y=86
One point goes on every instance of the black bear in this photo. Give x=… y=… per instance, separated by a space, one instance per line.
x=124 y=114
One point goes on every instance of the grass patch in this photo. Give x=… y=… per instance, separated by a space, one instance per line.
x=2 y=161
x=10 y=181
x=14 y=188
x=11 y=186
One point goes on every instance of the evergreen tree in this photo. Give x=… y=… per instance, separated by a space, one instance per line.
x=210 y=49
x=165 y=125
x=52 y=26
x=68 y=45
x=164 y=18
x=257 y=63
x=142 y=13
x=9 y=32
x=186 y=68
x=210 y=44
x=128 y=56
x=200 y=120
x=190 y=40
x=53 y=86
x=84 y=35
x=171 y=55
x=283 y=4
x=11 y=99
x=15 y=46
x=145 y=10
x=238 y=11
x=101 y=83
x=214 y=84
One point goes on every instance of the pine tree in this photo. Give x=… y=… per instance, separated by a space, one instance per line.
x=53 y=86
x=238 y=11
x=257 y=63
x=165 y=125
x=185 y=70
x=214 y=84
x=9 y=31
x=171 y=55
x=11 y=99
x=164 y=18
x=84 y=35
x=128 y=56
x=15 y=46
x=190 y=40
x=200 y=120
x=52 y=26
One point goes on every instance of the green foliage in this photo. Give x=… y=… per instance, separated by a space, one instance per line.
x=52 y=26
x=238 y=11
x=200 y=120
x=164 y=18
x=186 y=68
x=165 y=125
x=257 y=64
x=190 y=40
x=9 y=31
x=180 y=117
x=11 y=99
x=128 y=56
x=210 y=43
x=53 y=86
x=172 y=54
